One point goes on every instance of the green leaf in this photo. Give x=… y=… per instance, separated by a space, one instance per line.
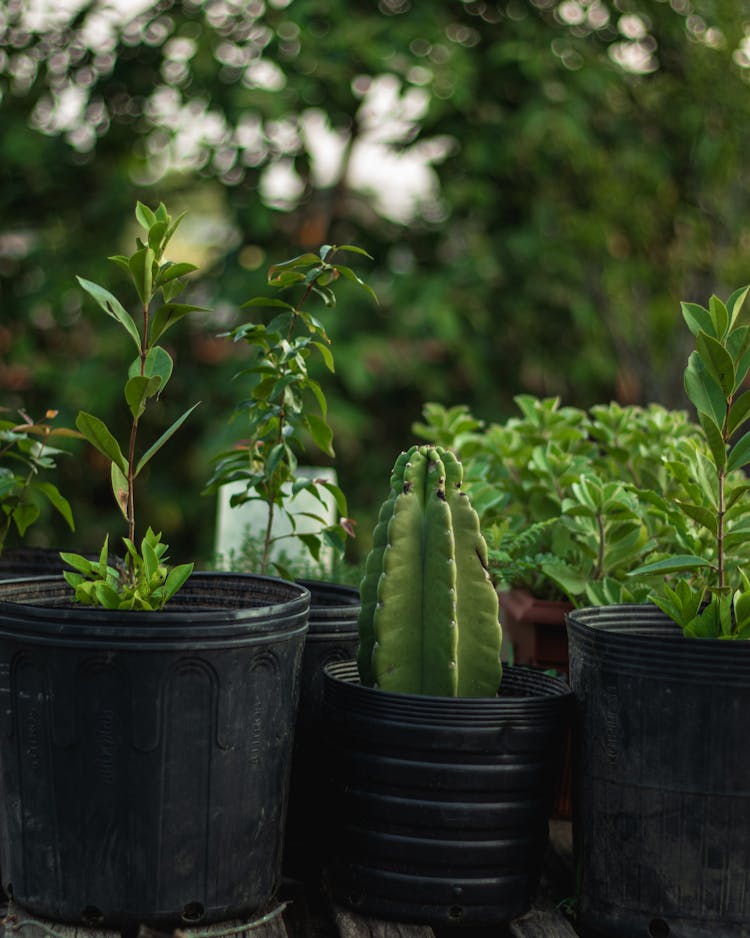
x=145 y=216
x=697 y=318
x=138 y=390
x=121 y=261
x=321 y=433
x=112 y=307
x=349 y=274
x=714 y=439
x=704 y=391
x=353 y=249
x=704 y=516
x=176 y=578
x=24 y=515
x=100 y=438
x=735 y=303
x=120 y=489
x=58 y=501
x=141 y=270
x=155 y=234
x=738 y=412
x=167 y=435
x=326 y=355
x=739 y=455
x=719 y=316
x=680 y=563
x=168 y=314
x=158 y=365
x=77 y=562
x=171 y=271
x=717 y=361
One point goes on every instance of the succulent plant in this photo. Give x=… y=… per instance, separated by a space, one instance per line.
x=429 y=620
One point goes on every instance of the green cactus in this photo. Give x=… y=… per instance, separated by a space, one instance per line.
x=429 y=621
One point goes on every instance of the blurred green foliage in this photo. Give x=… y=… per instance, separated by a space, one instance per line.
x=588 y=172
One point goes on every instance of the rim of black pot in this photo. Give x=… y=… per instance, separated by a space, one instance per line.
x=219 y=605
x=643 y=638
x=334 y=608
x=531 y=691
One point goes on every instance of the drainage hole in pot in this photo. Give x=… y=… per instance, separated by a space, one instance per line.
x=193 y=912
x=92 y=916
x=658 y=928
x=455 y=913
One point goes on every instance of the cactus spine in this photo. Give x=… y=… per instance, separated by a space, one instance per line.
x=429 y=620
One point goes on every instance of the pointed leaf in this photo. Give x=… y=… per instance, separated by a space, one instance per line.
x=677 y=564
x=321 y=433
x=120 y=489
x=714 y=439
x=719 y=316
x=138 y=390
x=145 y=216
x=739 y=455
x=697 y=318
x=168 y=314
x=703 y=390
x=738 y=412
x=158 y=365
x=717 y=360
x=735 y=303
x=141 y=270
x=112 y=307
x=167 y=435
x=171 y=271
x=58 y=501
x=98 y=435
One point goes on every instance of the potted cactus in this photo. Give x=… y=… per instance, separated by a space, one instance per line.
x=442 y=763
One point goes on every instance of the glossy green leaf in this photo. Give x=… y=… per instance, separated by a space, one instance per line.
x=167 y=315
x=164 y=438
x=714 y=439
x=697 y=319
x=112 y=307
x=321 y=433
x=97 y=433
x=739 y=455
x=680 y=563
x=141 y=270
x=738 y=412
x=717 y=361
x=703 y=390
x=145 y=216
x=58 y=501
x=719 y=316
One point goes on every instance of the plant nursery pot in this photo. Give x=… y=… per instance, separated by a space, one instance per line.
x=29 y=561
x=661 y=765
x=332 y=636
x=438 y=807
x=145 y=756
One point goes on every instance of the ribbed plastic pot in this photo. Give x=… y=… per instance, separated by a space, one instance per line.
x=145 y=757
x=332 y=636
x=438 y=807
x=29 y=561
x=661 y=769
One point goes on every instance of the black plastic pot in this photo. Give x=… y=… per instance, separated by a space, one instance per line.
x=661 y=767
x=144 y=757
x=332 y=636
x=439 y=807
x=29 y=561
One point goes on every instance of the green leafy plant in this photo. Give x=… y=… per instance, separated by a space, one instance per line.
x=26 y=452
x=712 y=597
x=286 y=405
x=429 y=617
x=143 y=580
x=571 y=501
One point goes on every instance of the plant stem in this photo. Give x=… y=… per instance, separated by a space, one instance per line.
x=131 y=447
x=267 y=538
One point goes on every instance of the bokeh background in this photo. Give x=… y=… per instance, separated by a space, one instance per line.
x=539 y=183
